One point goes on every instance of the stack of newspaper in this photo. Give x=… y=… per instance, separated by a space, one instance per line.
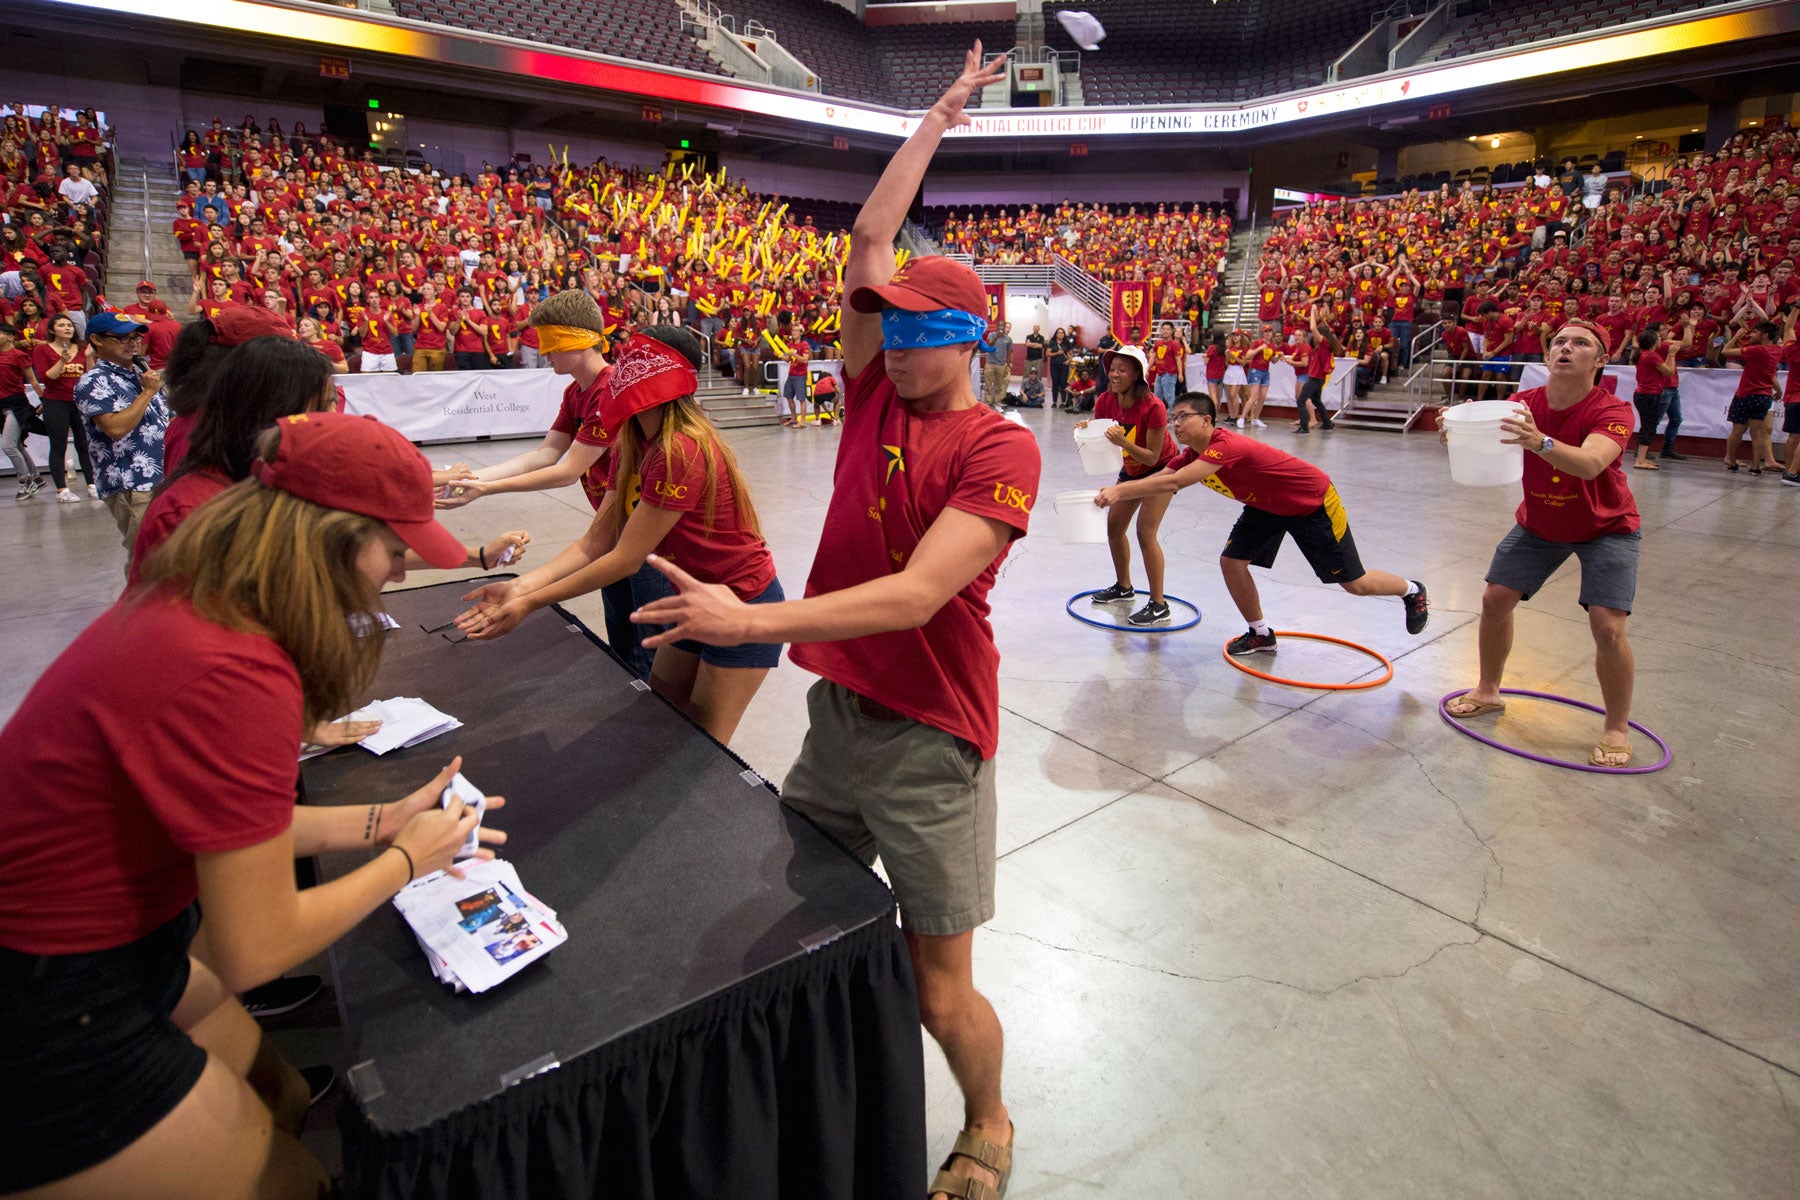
x=482 y=929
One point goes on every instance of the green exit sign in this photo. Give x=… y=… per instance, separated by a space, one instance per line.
x=374 y=104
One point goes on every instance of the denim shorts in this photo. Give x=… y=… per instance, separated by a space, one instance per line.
x=1609 y=565
x=1257 y=378
x=745 y=654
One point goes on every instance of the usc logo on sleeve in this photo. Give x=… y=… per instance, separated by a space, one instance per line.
x=1011 y=497
x=1616 y=427
x=673 y=491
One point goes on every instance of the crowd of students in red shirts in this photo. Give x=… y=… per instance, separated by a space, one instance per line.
x=1178 y=248
x=53 y=185
x=1715 y=250
x=390 y=269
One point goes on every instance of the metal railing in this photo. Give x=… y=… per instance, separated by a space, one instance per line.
x=1092 y=292
x=146 y=175
x=1429 y=380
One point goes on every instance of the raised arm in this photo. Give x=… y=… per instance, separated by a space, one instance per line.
x=871 y=259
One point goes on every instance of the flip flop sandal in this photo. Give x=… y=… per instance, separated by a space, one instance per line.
x=1598 y=757
x=1645 y=466
x=1482 y=708
x=994 y=1157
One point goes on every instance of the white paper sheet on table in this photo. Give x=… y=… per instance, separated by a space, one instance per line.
x=405 y=721
x=480 y=930
x=474 y=797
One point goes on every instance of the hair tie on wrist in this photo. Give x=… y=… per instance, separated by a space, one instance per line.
x=482 y=551
x=411 y=871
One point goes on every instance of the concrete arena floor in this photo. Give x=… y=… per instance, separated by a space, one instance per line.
x=1261 y=942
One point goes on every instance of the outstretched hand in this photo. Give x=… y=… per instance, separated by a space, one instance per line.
x=975 y=76
x=698 y=612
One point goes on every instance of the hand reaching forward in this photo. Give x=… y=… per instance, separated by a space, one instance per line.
x=974 y=77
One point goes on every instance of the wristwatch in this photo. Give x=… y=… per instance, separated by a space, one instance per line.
x=1545 y=446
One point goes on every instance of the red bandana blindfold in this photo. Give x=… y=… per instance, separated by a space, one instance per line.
x=645 y=373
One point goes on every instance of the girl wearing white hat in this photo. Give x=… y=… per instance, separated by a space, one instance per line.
x=1142 y=435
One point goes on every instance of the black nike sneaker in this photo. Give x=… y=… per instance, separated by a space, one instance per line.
x=1114 y=594
x=1251 y=642
x=1151 y=614
x=1418 y=609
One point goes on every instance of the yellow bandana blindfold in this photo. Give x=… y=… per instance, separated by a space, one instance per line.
x=554 y=339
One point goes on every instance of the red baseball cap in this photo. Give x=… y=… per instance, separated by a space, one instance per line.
x=146 y=286
x=235 y=326
x=926 y=285
x=359 y=465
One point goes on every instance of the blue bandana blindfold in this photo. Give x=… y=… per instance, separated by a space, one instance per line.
x=902 y=330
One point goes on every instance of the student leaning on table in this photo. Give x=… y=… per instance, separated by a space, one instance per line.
x=142 y=794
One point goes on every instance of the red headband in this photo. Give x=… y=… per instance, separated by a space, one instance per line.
x=645 y=374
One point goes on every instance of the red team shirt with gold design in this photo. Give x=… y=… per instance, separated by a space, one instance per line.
x=1559 y=507
x=897 y=470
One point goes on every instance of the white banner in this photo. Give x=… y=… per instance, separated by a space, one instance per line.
x=457 y=406
x=1284 y=383
x=1706 y=394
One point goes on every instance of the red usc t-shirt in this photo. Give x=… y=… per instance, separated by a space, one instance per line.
x=727 y=551
x=1259 y=476
x=1760 y=364
x=1791 y=356
x=897 y=470
x=1140 y=421
x=117 y=776
x=579 y=419
x=1557 y=506
x=171 y=507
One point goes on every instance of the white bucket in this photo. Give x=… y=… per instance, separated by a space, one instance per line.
x=1098 y=456
x=1478 y=456
x=1078 y=519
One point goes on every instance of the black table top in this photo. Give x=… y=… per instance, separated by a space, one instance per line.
x=677 y=874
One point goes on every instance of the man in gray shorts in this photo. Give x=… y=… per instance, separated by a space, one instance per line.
x=1576 y=502
x=930 y=490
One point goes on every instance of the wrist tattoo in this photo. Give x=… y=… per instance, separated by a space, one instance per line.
x=369 y=825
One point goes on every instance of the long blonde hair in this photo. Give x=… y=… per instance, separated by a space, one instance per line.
x=683 y=415
x=257 y=560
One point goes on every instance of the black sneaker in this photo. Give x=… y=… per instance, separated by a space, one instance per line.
x=1114 y=594
x=1151 y=614
x=1326 y=425
x=1672 y=456
x=1251 y=642
x=1418 y=609
x=319 y=1082
x=1792 y=480
x=282 y=995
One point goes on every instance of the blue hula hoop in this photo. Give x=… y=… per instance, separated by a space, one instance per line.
x=1171 y=600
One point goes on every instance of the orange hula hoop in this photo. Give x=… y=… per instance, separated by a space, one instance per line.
x=1322 y=687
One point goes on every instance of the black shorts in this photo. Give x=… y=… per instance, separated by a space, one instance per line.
x=1748 y=409
x=1323 y=536
x=92 y=1035
x=1790 y=417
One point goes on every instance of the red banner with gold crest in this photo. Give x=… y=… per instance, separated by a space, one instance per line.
x=1131 y=311
x=996 y=294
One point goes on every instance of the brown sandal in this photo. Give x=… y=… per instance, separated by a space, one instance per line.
x=1480 y=708
x=994 y=1157
x=1602 y=751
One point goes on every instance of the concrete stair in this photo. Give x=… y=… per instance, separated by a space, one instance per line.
x=126 y=236
x=1233 y=307
x=1438 y=47
x=728 y=408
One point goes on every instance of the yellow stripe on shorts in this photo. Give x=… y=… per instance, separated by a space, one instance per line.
x=1334 y=508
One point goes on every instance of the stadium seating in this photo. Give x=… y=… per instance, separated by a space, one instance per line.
x=1209 y=53
x=1507 y=24
x=34 y=151
x=920 y=59
x=646 y=30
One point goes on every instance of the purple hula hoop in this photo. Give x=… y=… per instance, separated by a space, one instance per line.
x=1456 y=723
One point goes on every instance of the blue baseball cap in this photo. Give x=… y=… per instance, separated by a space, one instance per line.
x=111 y=324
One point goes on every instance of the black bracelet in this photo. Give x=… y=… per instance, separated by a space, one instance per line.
x=483 y=553
x=411 y=871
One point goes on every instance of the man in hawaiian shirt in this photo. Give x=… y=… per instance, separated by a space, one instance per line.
x=123 y=414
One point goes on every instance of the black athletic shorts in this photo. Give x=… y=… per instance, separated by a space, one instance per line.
x=1790 y=417
x=90 y=1057
x=1323 y=536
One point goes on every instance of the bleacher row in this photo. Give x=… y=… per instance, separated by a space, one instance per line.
x=1154 y=53
x=37 y=144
